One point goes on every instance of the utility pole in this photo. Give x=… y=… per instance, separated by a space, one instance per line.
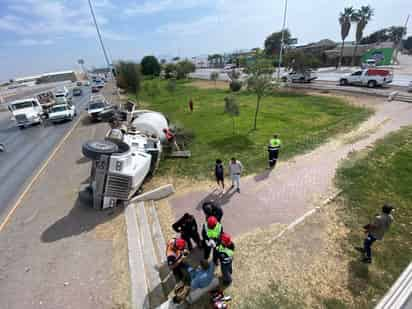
x=283 y=38
x=99 y=35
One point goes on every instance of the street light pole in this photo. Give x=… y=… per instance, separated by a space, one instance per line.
x=283 y=38
x=99 y=35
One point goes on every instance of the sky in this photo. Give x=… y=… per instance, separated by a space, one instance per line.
x=39 y=36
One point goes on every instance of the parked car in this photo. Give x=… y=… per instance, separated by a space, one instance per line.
x=86 y=83
x=77 y=91
x=369 y=77
x=299 y=77
x=26 y=112
x=62 y=112
x=95 y=89
x=97 y=107
x=79 y=83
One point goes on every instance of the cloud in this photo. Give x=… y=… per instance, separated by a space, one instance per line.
x=33 y=42
x=46 y=17
x=152 y=7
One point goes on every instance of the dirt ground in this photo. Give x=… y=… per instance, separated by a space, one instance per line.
x=207 y=84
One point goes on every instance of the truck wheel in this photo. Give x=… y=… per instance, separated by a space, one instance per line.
x=371 y=84
x=343 y=82
x=94 y=149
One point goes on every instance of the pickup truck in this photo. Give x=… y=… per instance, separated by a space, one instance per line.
x=98 y=106
x=26 y=112
x=369 y=77
x=62 y=112
x=299 y=77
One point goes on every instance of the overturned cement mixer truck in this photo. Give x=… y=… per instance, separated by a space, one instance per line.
x=122 y=161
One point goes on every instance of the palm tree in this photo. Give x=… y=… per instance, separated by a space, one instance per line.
x=361 y=17
x=345 y=21
x=395 y=35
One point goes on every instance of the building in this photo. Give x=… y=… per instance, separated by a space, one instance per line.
x=57 y=77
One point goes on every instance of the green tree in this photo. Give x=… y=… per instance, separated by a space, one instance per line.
x=396 y=35
x=260 y=82
x=214 y=76
x=362 y=17
x=150 y=66
x=183 y=68
x=129 y=76
x=381 y=35
x=274 y=41
x=345 y=21
x=152 y=88
x=170 y=70
x=300 y=62
x=232 y=109
x=407 y=44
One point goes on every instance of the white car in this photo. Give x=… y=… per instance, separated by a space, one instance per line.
x=97 y=105
x=299 y=77
x=62 y=112
x=62 y=96
x=26 y=112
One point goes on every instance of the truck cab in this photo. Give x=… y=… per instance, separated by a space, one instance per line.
x=26 y=112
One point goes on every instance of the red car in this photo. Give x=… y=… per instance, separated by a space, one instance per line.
x=95 y=89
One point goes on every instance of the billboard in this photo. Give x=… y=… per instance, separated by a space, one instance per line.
x=383 y=56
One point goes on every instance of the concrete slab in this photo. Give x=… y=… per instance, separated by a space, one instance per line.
x=156 y=194
x=136 y=264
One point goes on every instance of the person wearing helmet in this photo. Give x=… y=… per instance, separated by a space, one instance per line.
x=211 y=209
x=224 y=255
x=211 y=235
x=175 y=255
x=187 y=227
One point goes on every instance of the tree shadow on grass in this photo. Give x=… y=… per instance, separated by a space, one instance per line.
x=82 y=218
x=231 y=144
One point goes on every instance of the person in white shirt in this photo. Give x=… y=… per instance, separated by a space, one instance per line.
x=235 y=170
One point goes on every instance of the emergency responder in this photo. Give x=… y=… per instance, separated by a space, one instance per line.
x=187 y=227
x=211 y=209
x=273 y=149
x=175 y=255
x=224 y=254
x=211 y=236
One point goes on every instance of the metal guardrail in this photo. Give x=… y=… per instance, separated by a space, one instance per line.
x=400 y=294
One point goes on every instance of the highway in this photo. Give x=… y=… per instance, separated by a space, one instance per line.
x=26 y=150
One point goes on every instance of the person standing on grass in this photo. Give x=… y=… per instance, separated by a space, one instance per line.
x=376 y=230
x=235 y=170
x=219 y=173
x=273 y=149
x=224 y=255
x=191 y=105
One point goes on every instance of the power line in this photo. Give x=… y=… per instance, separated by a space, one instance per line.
x=99 y=35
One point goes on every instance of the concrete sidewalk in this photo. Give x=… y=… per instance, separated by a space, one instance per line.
x=295 y=186
x=51 y=256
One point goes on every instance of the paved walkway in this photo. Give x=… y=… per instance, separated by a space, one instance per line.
x=297 y=185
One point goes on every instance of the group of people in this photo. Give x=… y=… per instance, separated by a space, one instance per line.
x=214 y=242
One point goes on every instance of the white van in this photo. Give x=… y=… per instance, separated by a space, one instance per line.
x=26 y=112
x=62 y=96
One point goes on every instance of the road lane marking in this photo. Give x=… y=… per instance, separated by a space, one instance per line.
x=38 y=174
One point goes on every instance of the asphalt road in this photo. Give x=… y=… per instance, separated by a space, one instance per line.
x=26 y=149
x=401 y=80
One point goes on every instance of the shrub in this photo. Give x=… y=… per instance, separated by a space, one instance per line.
x=235 y=85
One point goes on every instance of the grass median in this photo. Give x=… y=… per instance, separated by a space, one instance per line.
x=303 y=122
x=382 y=175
